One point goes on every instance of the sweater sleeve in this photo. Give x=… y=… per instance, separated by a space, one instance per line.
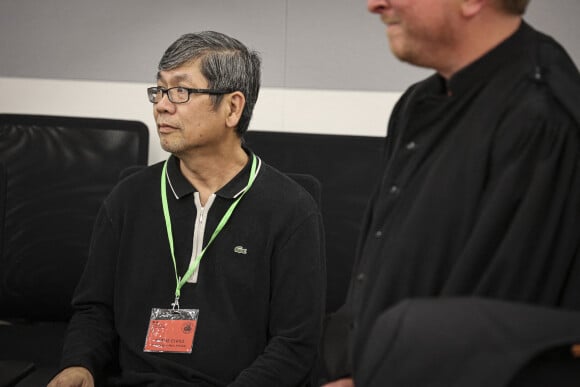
x=91 y=338
x=296 y=310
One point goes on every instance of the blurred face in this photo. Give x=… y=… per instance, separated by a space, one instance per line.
x=188 y=126
x=420 y=32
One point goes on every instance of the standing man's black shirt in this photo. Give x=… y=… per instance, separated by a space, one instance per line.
x=480 y=193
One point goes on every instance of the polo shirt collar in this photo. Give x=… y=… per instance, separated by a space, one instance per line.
x=181 y=187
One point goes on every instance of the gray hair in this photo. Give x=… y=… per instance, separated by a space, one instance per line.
x=226 y=64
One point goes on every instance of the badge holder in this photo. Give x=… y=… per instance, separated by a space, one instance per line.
x=171 y=330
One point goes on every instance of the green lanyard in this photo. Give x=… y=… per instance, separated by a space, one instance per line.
x=193 y=265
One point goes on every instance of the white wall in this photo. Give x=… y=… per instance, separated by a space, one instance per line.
x=288 y=110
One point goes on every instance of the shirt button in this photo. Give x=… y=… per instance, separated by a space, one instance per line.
x=394 y=190
x=378 y=234
x=360 y=277
x=411 y=145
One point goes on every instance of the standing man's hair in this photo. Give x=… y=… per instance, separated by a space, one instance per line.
x=224 y=61
x=514 y=7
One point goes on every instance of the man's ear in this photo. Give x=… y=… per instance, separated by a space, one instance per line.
x=235 y=103
x=470 y=8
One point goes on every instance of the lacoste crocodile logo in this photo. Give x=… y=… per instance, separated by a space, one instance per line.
x=240 y=250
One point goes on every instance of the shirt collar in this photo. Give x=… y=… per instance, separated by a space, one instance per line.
x=478 y=72
x=181 y=187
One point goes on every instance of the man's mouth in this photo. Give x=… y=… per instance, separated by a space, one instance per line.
x=165 y=128
x=390 y=20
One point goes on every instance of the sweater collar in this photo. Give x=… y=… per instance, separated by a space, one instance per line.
x=181 y=187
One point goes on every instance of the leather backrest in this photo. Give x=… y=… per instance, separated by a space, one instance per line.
x=348 y=168
x=310 y=184
x=54 y=174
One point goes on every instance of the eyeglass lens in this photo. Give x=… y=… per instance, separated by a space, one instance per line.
x=175 y=94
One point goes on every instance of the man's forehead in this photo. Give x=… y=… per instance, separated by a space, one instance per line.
x=186 y=72
x=174 y=75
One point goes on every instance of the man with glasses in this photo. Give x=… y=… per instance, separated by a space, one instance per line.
x=479 y=198
x=206 y=269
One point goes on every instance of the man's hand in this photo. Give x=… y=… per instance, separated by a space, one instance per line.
x=348 y=382
x=73 y=377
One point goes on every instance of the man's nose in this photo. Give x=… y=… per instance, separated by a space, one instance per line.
x=377 y=6
x=164 y=104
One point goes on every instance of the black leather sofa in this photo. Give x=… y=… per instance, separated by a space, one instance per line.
x=54 y=174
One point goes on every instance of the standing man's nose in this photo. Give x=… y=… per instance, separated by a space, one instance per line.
x=377 y=6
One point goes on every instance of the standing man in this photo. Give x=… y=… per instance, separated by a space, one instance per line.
x=480 y=190
x=207 y=269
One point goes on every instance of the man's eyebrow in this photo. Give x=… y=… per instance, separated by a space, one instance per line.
x=175 y=78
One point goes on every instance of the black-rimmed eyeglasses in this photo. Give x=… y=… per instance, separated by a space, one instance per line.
x=179 y=94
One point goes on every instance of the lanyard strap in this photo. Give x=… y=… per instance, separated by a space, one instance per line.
x=193 y=265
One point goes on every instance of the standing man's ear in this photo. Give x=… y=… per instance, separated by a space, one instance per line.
x=234 y=103
x=470 y=8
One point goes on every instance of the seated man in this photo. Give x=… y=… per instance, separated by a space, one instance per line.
x=206 y=269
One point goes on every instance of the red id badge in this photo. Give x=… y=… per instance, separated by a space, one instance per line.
x=171 y=330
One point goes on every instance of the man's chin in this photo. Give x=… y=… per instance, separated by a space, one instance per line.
x=402 y=54
x=167 y=146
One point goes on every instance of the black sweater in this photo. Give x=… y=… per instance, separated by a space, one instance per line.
x=260 y=289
